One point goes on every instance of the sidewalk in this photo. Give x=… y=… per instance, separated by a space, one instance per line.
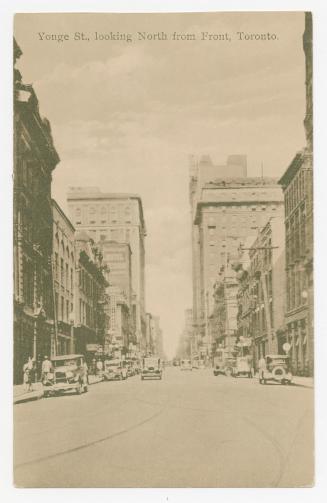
x=20 y=395
x=306 y=382
x=95 y=379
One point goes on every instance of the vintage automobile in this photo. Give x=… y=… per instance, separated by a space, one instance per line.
x=114 y=370
x=186 y=365
x=69 y=374
x=276 y=369
x=151 y=368
x=195 y=364
x=243 y=366
x=130 y=368
x=223 y=364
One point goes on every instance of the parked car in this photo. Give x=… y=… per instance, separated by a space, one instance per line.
x=114 y=370
x=128 y=364
x=244 y=366
x=186 y=365
x=151 y=368
x=276 y=369
x=69 y=374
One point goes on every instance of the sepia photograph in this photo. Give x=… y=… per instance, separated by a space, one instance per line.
x=163 y=313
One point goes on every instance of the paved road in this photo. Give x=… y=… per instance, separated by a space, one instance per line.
x=189 y=430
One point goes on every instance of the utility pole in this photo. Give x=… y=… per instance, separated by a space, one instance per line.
x=55 y=345
x=206 y=309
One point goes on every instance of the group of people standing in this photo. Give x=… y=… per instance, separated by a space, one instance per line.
x=30 y=371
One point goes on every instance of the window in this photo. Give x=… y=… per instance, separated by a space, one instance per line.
x=67 y=276
x=71 y=280
x=127 y=214
x=62 y=272
x=67 y=310
x=103 y=214
x=62 y=306
x=92 y=215
x=78 y=216
x=113 y=214
x=28 y=282
x=56 y=266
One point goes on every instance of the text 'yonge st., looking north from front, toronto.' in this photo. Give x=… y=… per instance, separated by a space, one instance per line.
x=159 y=36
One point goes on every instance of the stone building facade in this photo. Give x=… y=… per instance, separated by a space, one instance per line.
x=225 y=212
x=297 y=184
x=262 y=292
x=121 y=333
x=35 y=158
x=115 y=217
x=91 y=319
x=63 y=263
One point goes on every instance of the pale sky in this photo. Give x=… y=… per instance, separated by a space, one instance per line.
x=127 y=116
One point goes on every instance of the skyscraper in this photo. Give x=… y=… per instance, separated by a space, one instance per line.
x=116 y=217
x=226 y=208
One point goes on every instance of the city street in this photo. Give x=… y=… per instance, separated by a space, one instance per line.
x=189 y=430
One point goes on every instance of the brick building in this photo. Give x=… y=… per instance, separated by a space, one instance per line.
x=35 y=157
x=297 y=184
x=225 y=212
x=262 y=291
x=63 y=280
x=90 y=315
x=115 y=217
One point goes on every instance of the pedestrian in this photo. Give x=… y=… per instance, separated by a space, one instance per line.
x=262 y=367
x=86 y=370
x=46 y=368
x=28 y=368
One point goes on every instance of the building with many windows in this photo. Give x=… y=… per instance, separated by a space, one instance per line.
x=297 y=184
x=35 y=158
x=262 y=291
x=120 y=326
x=91 y=321
x=115 y=217
x=63 y=263
x=225 y=212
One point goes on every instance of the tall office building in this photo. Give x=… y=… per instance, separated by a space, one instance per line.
x=227 y=208
x=116 y=217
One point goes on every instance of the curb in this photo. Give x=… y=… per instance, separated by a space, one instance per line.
x=24 y=399
x=29 y=398
x=95 y=382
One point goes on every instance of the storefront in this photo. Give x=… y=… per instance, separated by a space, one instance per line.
x=297 y=335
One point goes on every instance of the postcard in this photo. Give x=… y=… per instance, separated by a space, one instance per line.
x=163 y=250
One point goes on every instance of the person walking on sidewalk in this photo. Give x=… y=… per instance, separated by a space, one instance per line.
x=46 y=368
x=28 y=368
